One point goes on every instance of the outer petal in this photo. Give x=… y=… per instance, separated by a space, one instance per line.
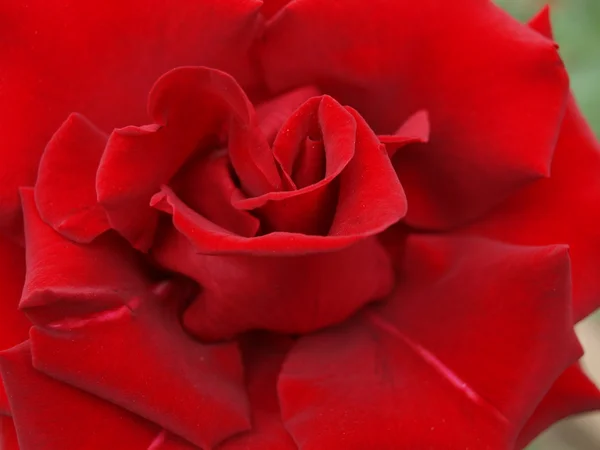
x=101 y=59
x=14 y=326
x=137 y=356
x=65 y=278
x=481 y=76
x=8 y=434
x=65 y=191
x=573 y=393
x=210 y=238
x=308 y=209
x=51 y=415
x=463 y=352
x=563 y=208
x=169 y=441
x=272 y=7
x=264 y=356
x=283 y=293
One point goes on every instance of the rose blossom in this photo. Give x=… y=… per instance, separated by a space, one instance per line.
x=339 y=225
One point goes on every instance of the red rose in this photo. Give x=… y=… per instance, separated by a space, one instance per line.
x=243 y=269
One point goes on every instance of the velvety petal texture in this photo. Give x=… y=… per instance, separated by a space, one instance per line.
x=100 y=60
x=290 y=294
x=473 y=160
x=263 y=356
x=572 y=393
x=8 y=434
x=443 y=361
x=42 y=405
x=65 y=278
x=191 y=107
x=562 y=208
x=65 y=190
x=339 y=225
x=14 y=326
x=192 y=389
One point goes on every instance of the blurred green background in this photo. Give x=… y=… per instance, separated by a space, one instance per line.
x=576 y=26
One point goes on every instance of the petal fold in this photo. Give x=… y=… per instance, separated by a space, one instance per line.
x=283 y=293
x=481 y=89
x=65 y=190
x=137 y=356
x=51 y=415
x=474 y=336
x=104 y=73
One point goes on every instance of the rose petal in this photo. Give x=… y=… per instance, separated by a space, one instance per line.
x=371 y=196
x=8 y=434
x=573 y=393
x=191 y=106
x=494 y=90
x=273 y=113
x=65 y=191
x=272 y=7
x=66 y=278
x=51 y=415
x=414 y=130
x=206 y=186
x=169 y=441
x=15 y=326
x=563 y=208
x=209 y=238
x=289 y=294
x=264 y=356
x=367 y=179
x=137 y=356
x=444 y=360
x=101 y=59
x=318 y=118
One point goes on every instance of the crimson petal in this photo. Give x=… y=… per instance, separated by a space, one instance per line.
x=8 y=434
x=489 y=67
x=443 y=360
x=573 y=393
x=51 y=415
x=563 y=208
x=264 y=355
x=137 y=356
x=65 y=191
x=206 y=186
x=15 y=326
x=106 y=71
x=67 y=278
x=284 y=293
x=169 y=441
x=367 y=178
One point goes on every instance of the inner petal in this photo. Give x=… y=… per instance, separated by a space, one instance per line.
x=206 y=185
x=309 y=167
x=313 y=148
x=272 y=114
